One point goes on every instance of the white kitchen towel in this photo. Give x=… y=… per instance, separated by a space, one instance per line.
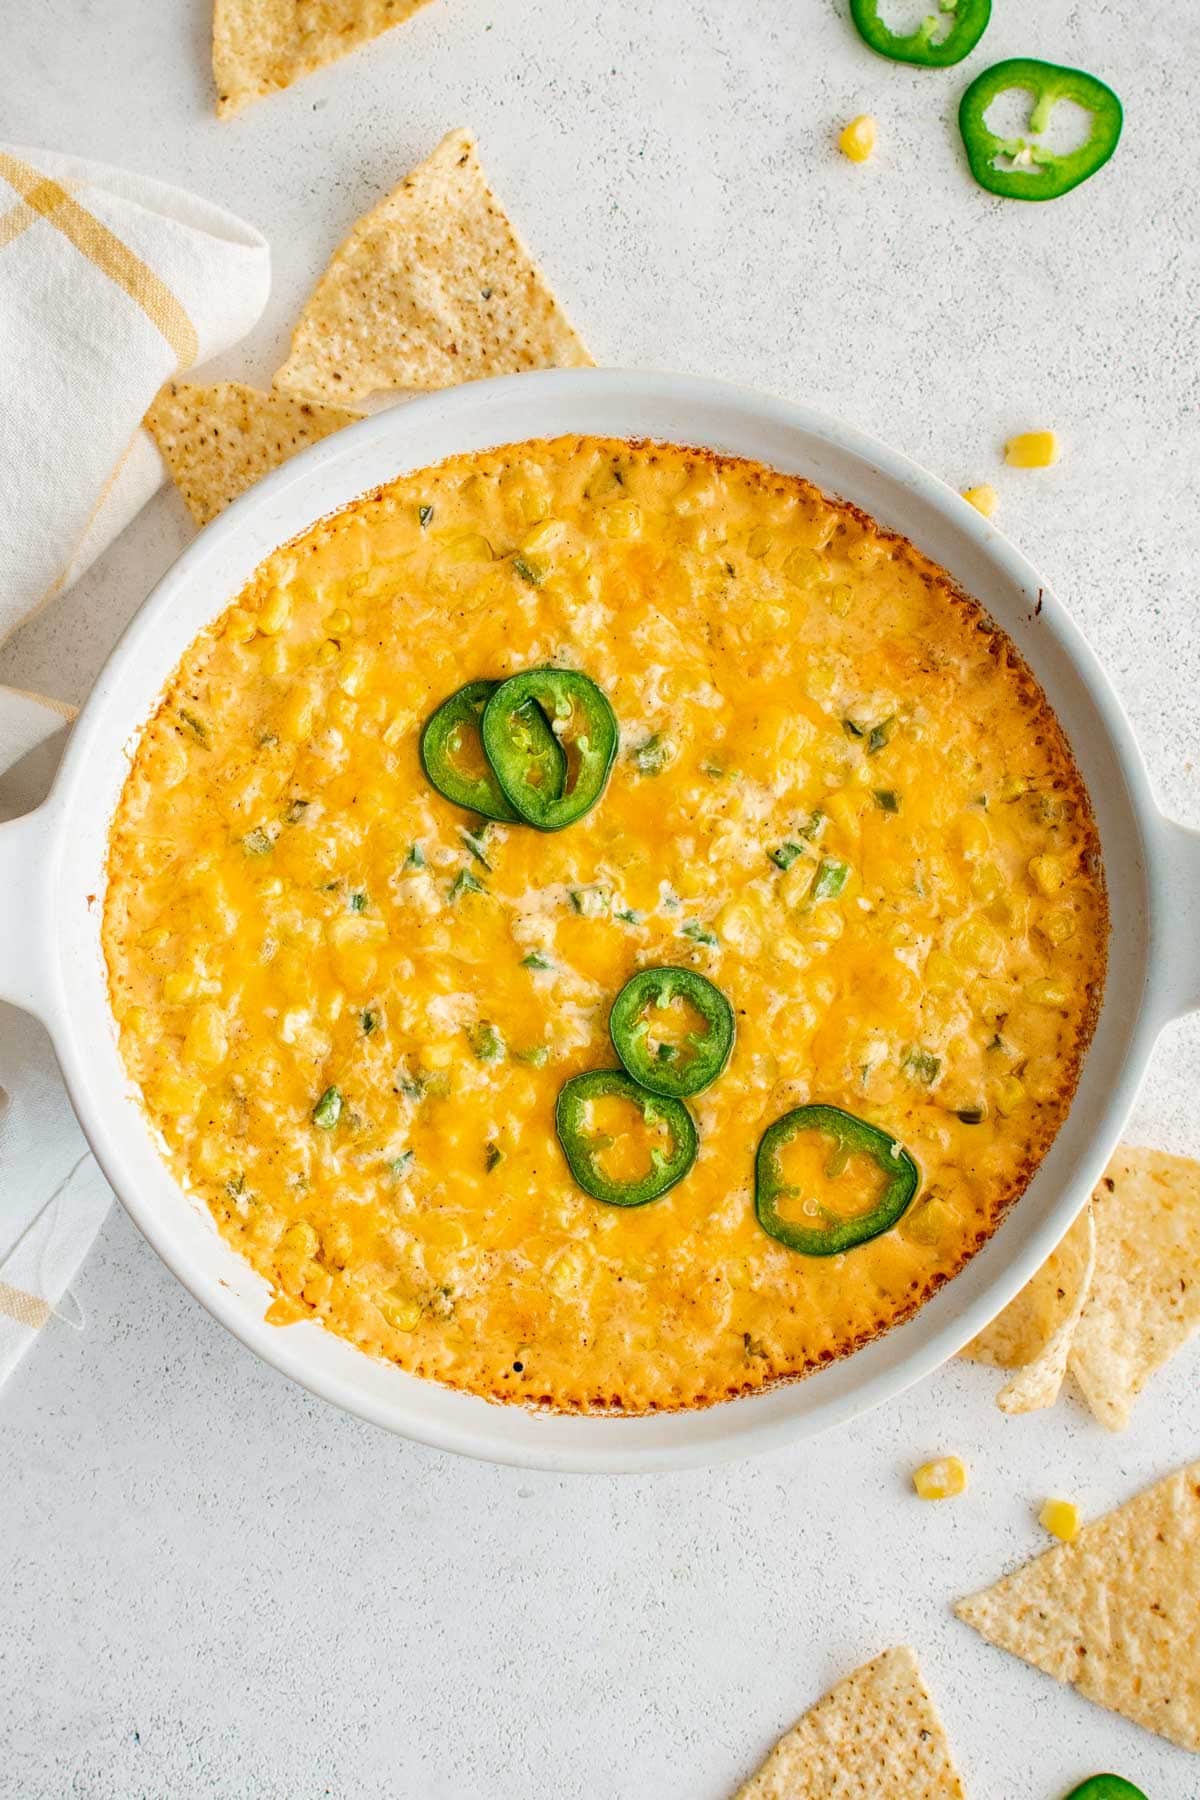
x=52 y=1194
x=110 y=284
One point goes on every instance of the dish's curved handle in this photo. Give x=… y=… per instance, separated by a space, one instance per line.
x=1177 y=921
x=27 y=933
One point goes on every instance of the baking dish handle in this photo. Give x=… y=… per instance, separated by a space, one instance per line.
x=27 y=934
x=1177 y=921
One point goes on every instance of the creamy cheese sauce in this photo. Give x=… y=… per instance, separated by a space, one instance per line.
x=286 y=914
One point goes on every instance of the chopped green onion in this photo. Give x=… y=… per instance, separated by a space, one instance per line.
x=922 y=1064
x=196 y=726
x=400 y=1165
x=887 y=800
x=465 y=883
x=699 y=934
x=653 y=756
x=369 y=1020
x=591 y=901
x=853 y=730
x=256 y=842
x=970 y=1115
x=537 y=1054
x=328 y=1109
x=627 y=916
x=492 y=1156
x=424 y=514
x=535 y=960
x=415 y=858
x=880 y=735
x=815 y=826
x=528 y=571
x=296 y=811
x=476 y=842
x=784 y=855
x=487 y=1043
x=358 y=902
x=830 y=879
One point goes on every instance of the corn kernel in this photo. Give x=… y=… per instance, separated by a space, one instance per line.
x=983 y=498
x=978 y=945
x=295 y=721
x=1032 y=450
x=567 y=1273
x=1047 y=874
x=179 y=987
x=275 y=657
x=941 y=1479
x=338 y=623
x=545 y=536
x=1045 y=991
x=299 y=1242
x=941 y=974
x=973 y=835
x=358 y=582
x=621 y=520
x=857 y=139
x=274 y=615
x=471 y=546
x=841 y=598
x=1061 y=1519
x=206 y=1044
x=1059 y=925
x=240 y=625
x=177 y=1095
x=804 y=566
x=759 y=542
x=1010 y=1094
x=327 y=653
x=401 y=1314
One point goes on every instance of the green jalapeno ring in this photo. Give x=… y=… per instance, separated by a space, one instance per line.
x=849 y=1135
x=581 y=1151
x=970 y=22
x=440 y=737
x=559 y=697
x=710 y=1053
x=1106 y=1787
x=1056 y=173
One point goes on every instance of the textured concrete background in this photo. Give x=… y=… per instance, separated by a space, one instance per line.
x=214 y=1585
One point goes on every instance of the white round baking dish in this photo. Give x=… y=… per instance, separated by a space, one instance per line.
x=52 y=874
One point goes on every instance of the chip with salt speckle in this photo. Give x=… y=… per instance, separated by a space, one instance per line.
x=875 y=1736
x=431 y=288
x=260 y=46
x=217 y=441
x=1114 y=1613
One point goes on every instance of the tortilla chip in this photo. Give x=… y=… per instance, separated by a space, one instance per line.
x=1145 y=1299
x=1034 y=1333
x=1115 y=1613
x=431 y=288
x=875 y=1736
x=218 y=441
x=260 y=46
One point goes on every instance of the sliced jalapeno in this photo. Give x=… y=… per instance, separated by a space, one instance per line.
x=583 y=728
x=831 y=1231
x=453 y=758
x=584 y=1146
x=1106 y=1787
x=663 y=1062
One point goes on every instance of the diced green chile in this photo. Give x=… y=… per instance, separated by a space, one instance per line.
x=849 y=1136
x=583 y=1151
x=699 y=1059
x=1106 y=1787
x=969 y=21
x=1040 y=174
x=441 y=740
x=584 y=735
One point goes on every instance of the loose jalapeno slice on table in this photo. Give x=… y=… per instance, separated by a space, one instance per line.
x=831 y=1231
x=664 y=1063
x=1031 y=172
x=585 y=1143
x=453 y=758
x=1106 y=1787
x=584 y=728
x=967 y=21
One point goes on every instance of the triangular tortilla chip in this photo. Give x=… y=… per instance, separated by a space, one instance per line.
x=218 y=441
x=1034 y=1333
x=1115 y=1613
x=875 y=1736
x=431 y=288
x=1145 y=1298
x=260 y=46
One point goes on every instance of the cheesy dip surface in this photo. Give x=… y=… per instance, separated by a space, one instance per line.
x=293 y=909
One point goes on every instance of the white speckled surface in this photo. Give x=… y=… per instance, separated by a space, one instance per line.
x=215 y=1585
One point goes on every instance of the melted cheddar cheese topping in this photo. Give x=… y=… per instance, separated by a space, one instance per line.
x=798 y=692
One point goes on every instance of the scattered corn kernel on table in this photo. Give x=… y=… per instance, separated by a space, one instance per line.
x=216 y=1585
